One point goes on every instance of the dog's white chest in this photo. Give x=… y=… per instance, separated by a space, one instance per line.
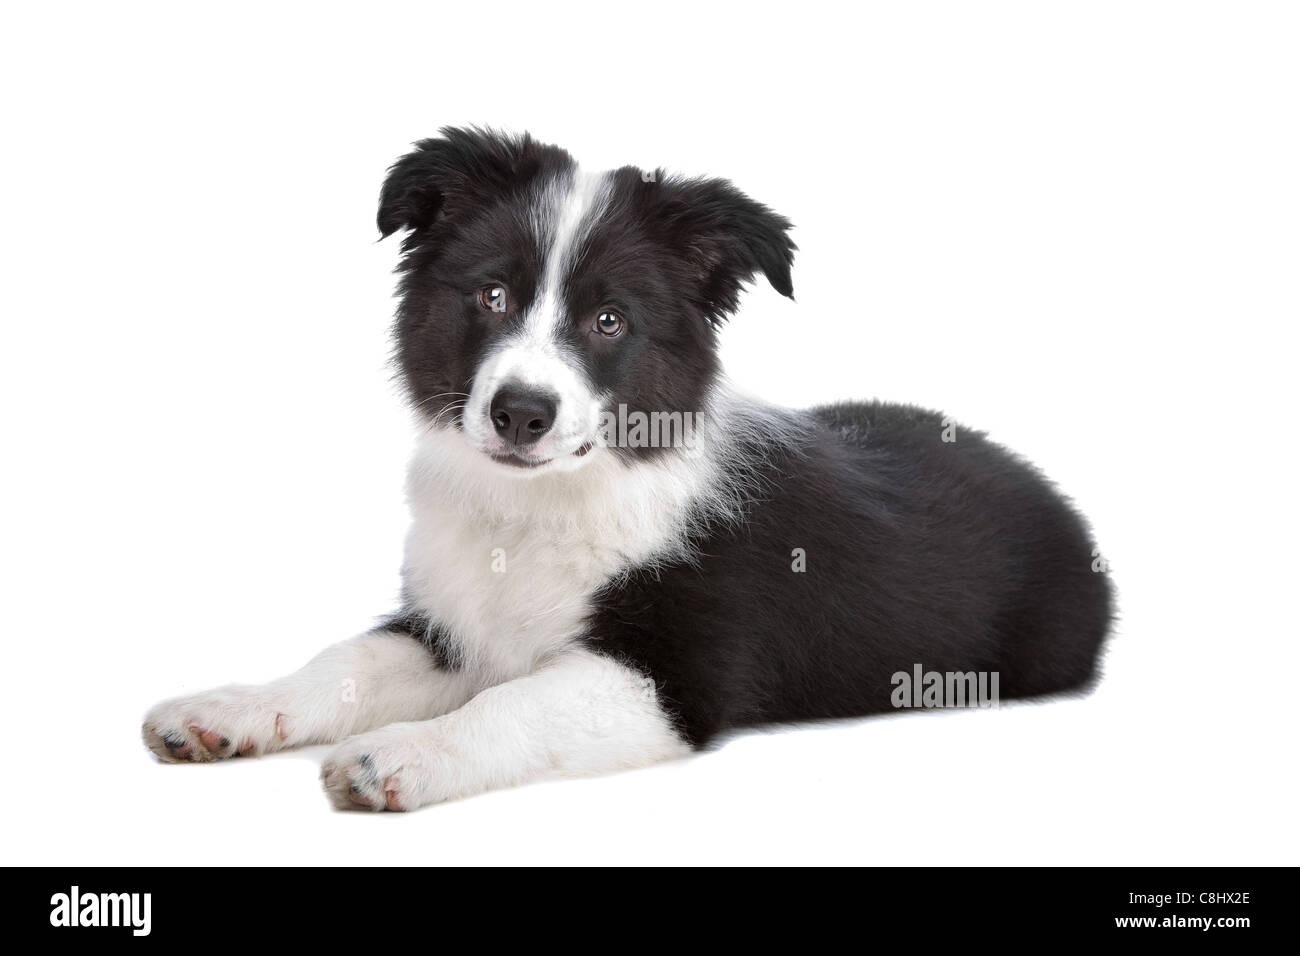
x=508 y=594
x=509 y=568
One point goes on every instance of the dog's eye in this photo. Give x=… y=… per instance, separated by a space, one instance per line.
x=494 y=298
x=609 y=323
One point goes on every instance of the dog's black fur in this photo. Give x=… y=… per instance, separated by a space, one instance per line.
x=956 y=555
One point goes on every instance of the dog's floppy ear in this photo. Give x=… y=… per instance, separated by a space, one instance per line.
x=454 y=171
x=729 y=238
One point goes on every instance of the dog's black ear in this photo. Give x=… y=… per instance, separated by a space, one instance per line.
x=729 y=238
x=453 y=171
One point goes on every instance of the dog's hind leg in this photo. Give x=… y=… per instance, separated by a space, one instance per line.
x=386 y=675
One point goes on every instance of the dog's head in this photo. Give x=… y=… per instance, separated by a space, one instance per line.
x=541 y=303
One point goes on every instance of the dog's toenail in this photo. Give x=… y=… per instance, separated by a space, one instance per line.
x=173 y=743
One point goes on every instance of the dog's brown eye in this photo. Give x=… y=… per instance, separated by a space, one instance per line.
x=494 y=298
x=609 y=323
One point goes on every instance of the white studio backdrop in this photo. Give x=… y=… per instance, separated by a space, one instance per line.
x=1071 y=225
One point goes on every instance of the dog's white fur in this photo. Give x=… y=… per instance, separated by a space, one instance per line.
x=371 y=680
x=580 y=713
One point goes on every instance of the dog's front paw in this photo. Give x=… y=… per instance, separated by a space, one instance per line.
x=394 y=768
x=229 y=722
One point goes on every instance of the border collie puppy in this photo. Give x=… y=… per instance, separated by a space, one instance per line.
x=580 y=597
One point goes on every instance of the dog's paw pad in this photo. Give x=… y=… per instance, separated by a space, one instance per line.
x=213 y=742
x=175 y=746
x=354 y=783
x=194 y=744
x=214 y=726
x=360 y=779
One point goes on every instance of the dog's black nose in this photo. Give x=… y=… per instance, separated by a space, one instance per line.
x=521 y=415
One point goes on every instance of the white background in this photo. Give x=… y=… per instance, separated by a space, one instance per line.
x=1073 y=225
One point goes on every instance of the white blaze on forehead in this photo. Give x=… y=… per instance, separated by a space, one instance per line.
x=534 y=354
x=568 y=209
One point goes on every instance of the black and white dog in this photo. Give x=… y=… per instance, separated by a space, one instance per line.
x=580 y=597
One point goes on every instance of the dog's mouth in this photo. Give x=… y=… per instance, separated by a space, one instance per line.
x=514 y=460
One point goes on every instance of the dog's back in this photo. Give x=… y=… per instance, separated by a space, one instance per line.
x=871 y=546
